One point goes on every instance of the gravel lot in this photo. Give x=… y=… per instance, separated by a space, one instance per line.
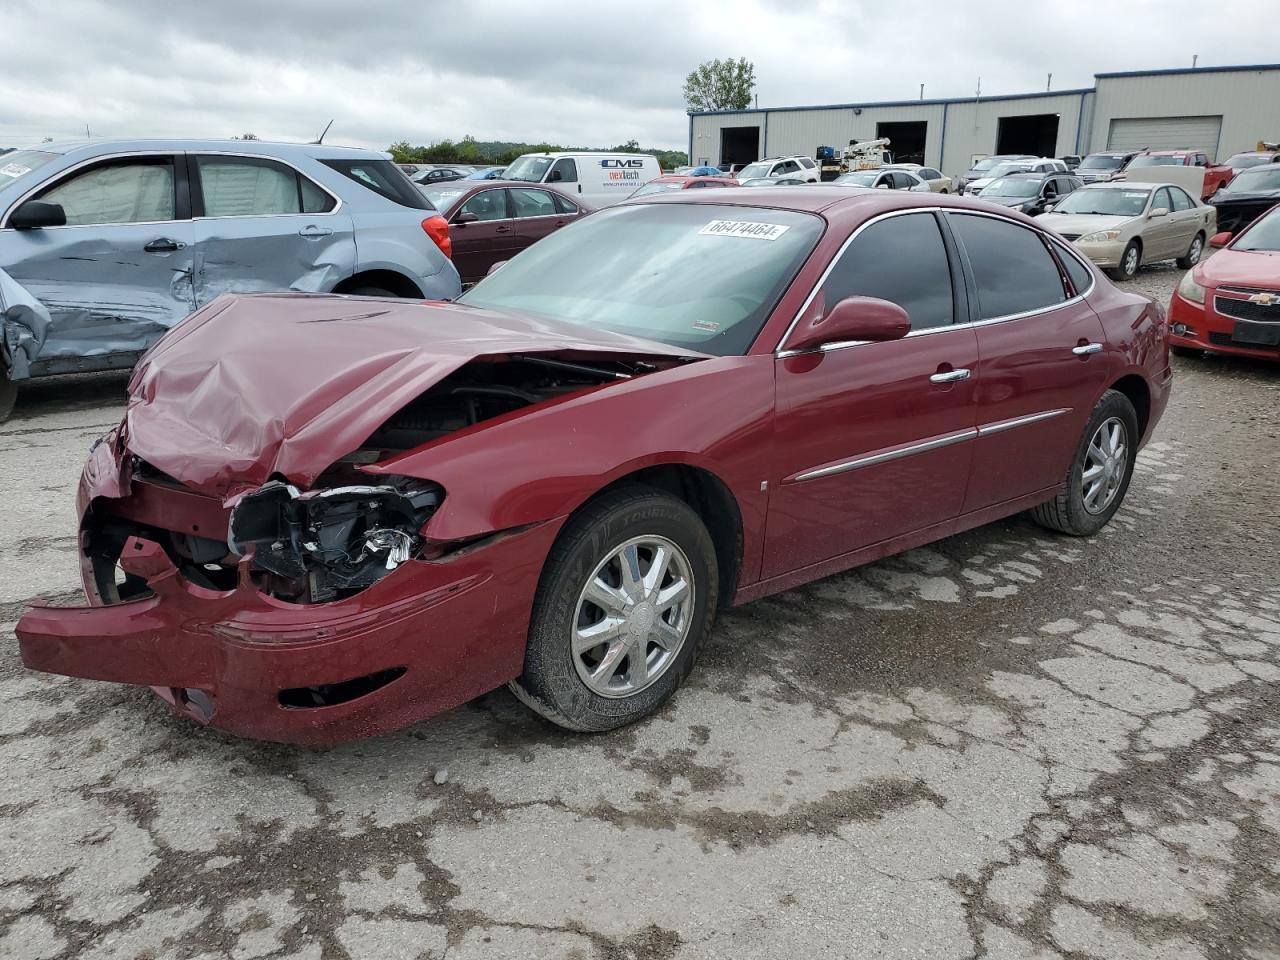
x=1010 y=744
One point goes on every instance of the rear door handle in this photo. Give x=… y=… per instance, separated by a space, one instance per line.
x=950 y=376
x=502 y=230
x=163 y=245
x=1086 y=348
x=311 y=230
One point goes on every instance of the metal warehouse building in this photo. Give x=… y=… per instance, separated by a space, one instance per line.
x=1223 y=110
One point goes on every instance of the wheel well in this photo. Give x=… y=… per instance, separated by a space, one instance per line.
x=712 y=501
x=397 y=283
x=1135 y=388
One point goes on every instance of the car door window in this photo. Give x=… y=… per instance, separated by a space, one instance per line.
x=1180 y=199
x=564 y=205
x=901 y=259
x=127 y=191
x=531 y=203
x=1081 y=277
x=928 y=173
x=786 y=167
x=1201 y=160
x=1161 y=199
x=564 y=170
x=1011 y=266
x=807 y=163
x=487 y=205
x=256 y=187
x=1051 y=189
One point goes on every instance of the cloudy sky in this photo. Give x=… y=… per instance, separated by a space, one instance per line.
x=586 y=73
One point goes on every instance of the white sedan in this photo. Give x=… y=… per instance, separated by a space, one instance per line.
x=883 y=179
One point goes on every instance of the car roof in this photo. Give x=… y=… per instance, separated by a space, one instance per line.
x=1034 y=175
x=816 y=198
x=252 y=147
x=1180 y=152
x=1125 y=185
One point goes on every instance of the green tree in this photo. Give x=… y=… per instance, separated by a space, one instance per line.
x=721 y=85
x=246 y=136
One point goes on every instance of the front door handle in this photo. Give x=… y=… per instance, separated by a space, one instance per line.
x=1086 y=348
x=502 y=230
x=163 y=245
x=950 y=376
x=311 y=230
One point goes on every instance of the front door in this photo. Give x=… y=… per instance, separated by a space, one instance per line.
x=261 y=225
x=874 y=440
x=119 y=273
x=1039 y=346
x=483 y=233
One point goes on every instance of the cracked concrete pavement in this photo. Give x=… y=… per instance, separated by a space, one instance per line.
x=1009 y=744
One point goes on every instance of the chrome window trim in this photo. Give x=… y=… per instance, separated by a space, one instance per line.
x=197 y=154
x=62 y=175
x=781 y=354
x=870 y=460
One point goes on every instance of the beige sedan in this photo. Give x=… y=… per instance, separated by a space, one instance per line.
x=1120 y=226
x=936 y=181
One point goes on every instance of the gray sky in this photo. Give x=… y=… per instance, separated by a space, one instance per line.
x=583 y=73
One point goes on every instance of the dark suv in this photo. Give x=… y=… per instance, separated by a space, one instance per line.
x=1030 y=192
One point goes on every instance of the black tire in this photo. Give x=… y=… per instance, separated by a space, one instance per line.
x=370 y=292
x=8 y=395
x=1066 y=512
x=1191 y=353
x=550 y=684
x=1130 y=262
x=1193 y=254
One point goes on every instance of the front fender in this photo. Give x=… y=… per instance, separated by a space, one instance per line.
x=24 y=325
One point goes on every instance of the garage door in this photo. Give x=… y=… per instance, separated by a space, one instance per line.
x=1165 y=133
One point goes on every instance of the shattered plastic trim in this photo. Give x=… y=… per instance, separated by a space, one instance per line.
x=24 y=324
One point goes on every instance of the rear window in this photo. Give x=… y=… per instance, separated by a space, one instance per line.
x=15 y=164
x=384 y=178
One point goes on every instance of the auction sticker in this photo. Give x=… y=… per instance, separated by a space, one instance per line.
x=744 y=228
x=14 y=170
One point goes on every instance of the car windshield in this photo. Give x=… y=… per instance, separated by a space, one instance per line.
x=657 y=186
x=1012 y=187
x=13 y=165
x=1255 y=181
x=754 y=170
x=529 y=169
x=1243 y=161
x=694 y=275
x=1263 y=235
x=1111 y=203
x=1101 y=163
x=860 y=178
x=444 y=196
x=1151 y=160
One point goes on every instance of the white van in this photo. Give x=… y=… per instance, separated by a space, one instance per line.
x=599 y=179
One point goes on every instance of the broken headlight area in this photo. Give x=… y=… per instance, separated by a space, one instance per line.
x=326 y=544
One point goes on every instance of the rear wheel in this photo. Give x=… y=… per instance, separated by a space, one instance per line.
x=627 y=595
x=1100 y=471
x=1130 y=260
x=1193 y=254
x=8 y=395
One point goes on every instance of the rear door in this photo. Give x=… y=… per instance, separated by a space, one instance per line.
x=1187 y=216
x=120 y=272
x=535 y=215
x=488 y=239
x=1039 y=344
x=874 y=440
x=262 y=225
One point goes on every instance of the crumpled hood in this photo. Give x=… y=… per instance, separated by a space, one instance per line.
x=252 y=386
x=1081 y=223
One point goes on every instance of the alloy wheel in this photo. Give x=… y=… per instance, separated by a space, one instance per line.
x=1197 y=247
x=1106 y=462
x=1131 y=262
x=633 y=616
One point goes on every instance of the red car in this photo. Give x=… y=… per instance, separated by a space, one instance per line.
x=1216 y=175
x=492 y=220
x=326 y=517
x=1230 y=302
x=671 y=181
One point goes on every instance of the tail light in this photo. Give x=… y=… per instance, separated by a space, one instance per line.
x=437 y=228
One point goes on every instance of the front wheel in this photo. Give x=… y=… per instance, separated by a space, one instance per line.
x=627 y=595
x=8 y=395
x=1130 y=260
x=1100 y=471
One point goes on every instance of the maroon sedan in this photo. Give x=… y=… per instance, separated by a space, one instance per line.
x=326 y=517
x=493 y=220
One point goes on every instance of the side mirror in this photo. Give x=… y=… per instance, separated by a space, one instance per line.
x=1158 y=212
x=853 y=318
x=493 y=267
x=35 y=214
x=1221 y=239
x=462 y=219
x=556 y=177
